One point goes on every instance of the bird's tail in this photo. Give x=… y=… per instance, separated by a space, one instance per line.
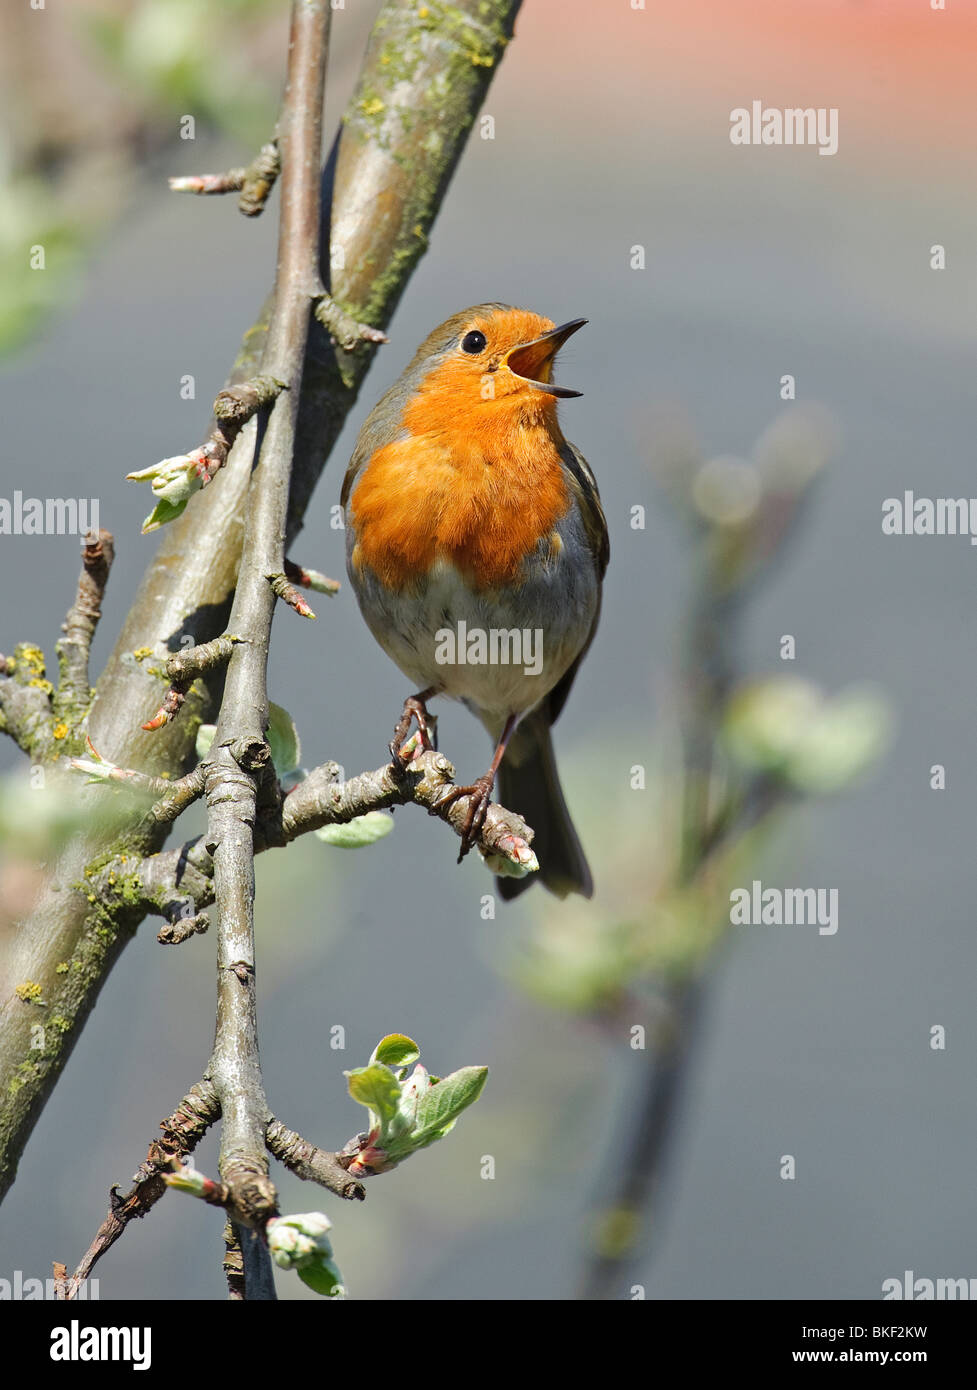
x=530 y=786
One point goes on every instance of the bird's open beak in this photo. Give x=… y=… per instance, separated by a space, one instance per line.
x=531 y=362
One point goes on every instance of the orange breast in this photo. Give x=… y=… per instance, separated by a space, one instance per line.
x=476 y=487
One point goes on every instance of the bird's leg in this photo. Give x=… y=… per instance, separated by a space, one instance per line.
x=480 y=793
x=414 y=708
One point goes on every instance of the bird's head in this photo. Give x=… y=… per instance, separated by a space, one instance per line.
x=493 y=353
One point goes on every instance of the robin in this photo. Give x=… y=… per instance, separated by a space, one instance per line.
x=476 y=546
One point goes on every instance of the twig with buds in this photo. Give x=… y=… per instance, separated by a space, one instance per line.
x=25 y=702
x=310 y=579
x=44 y=721
x=74 y=691
x=174 y=797
x=175 y=480
x=181 y=929
x=345 y=331
x=254 y=181
x=288 y=593
x=310 y=1163
x=182 y=1132
x=183 y=668
x=323 y=799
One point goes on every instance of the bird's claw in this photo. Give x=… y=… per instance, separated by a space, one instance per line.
x=480 y=793
x=404 y=750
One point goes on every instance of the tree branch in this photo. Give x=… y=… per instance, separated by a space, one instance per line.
x=321 y=799
x=25 y=701
x=182 y=1132
x=186 y=871
x=74 y=692
x=310 y=1163
x=401 y=138
x=239 y=750
x=254 y=182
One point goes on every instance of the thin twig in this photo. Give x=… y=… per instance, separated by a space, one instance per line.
x=311 y=1163
x=288 y=593
x=188 y=473
x=182 y=1131
x=74 y=690
x=231 y=772
x=345 y=331
x=177 y=796
x=181 y=929
x=206 y=185
x=254 y=181
x=25 y=702
x=183 y=668
x=310 y=579
x=323 y=799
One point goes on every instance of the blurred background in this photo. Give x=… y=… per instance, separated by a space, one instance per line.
x=694 y=757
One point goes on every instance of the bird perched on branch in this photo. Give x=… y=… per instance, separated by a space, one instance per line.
x=476 y=546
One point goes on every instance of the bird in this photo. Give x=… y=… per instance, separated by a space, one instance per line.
x=467 y=511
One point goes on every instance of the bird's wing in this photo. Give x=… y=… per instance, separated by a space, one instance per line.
x=557 y=697
x=584 y=486
x=382 y=426
x=366 y=446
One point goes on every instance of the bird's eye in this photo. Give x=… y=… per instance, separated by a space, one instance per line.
x=473 y=342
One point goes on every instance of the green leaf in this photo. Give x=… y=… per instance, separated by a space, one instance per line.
x=412 y=1089
x=377 y=1088
x=396 y=1050
x=323 y=1278
x=442 y=1104
x=161 y=514
x=364 y=830
x=283 y=740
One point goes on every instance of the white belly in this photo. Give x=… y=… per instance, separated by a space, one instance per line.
x=500 y=653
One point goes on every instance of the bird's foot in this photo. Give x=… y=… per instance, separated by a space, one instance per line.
x=402 y=749
x=480 y=793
